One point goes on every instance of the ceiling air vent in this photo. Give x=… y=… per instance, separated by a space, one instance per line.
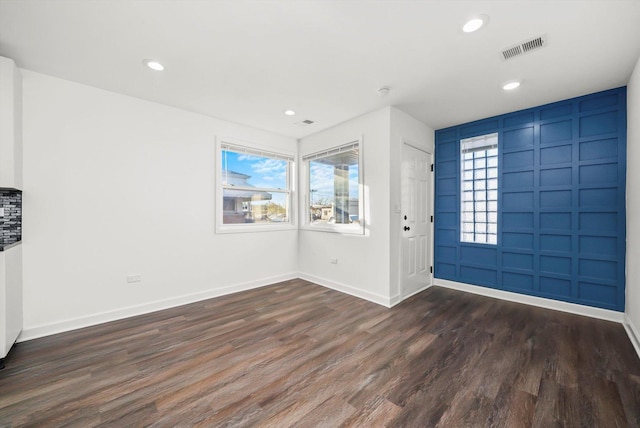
x=305 y=122
x=524 y=47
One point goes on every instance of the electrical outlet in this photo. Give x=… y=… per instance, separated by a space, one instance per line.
x=333 y=261
x=134 y=278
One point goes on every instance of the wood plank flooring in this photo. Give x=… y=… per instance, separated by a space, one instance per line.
x=298 y=354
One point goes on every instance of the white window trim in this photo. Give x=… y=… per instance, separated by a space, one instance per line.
x=347 y=229
x=260 y=150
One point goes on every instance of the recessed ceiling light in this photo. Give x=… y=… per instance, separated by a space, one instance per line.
x=475 y=23
x=289 y=112
x=153 y=64
x=511 y=85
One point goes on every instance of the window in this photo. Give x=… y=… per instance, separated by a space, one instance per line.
x=479 y=189
x=254 y=190
x=334 y=189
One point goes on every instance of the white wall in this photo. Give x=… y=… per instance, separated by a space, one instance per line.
x=403 y=128
x=633 y=202
x=113 y=186
x=363 y=260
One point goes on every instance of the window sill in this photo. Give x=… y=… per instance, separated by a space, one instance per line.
x=248 y=228
x=340 y=229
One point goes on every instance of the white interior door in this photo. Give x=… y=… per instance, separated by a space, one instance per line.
x=415 y=238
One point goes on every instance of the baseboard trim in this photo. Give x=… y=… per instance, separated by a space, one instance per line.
x=131 y=311
x=541 y=302
x=633 y=333
x=395 y=300
x=347 y=289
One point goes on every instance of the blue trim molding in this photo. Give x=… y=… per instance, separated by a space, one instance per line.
x=561 y=203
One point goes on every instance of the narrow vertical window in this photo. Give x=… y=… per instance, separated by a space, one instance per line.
x=479 y=189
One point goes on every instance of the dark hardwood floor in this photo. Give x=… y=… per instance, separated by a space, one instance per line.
x=297 y=354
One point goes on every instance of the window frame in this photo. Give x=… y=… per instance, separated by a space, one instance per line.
x=239 y=146
x=485 y=146
x=349 y=229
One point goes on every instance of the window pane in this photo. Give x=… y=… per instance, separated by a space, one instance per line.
x=334 y=188
x=480 y=184
x=241 y=169
x=241 y=206
x=255 y=188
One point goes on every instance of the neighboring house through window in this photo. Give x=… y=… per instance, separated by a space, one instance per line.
x=255 y=188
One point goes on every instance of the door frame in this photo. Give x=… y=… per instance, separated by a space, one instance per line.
x=431 y=202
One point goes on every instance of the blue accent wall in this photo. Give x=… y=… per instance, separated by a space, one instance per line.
x=561 y=218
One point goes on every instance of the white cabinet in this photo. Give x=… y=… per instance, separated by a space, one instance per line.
x=10 y=125
x=10 y=297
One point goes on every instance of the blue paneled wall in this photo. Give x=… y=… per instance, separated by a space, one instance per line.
x=561 y=201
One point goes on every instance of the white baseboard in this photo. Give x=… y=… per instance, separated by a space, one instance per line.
x=396 y=299
x=347 y=289
x=131 y=311
x=633 y=333
x=557 y=305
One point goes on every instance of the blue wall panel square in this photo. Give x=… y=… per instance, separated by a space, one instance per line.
x=518 y=281
x=555 y=155
x=517 y=201
x=561 y=206
x=556 y=110
x=480 y=127
x=555 y=177
x=553 y=264
x=473 y=275
x=446 y=271
x=517 y=220
x=555 y=198
x=513 y=240
x=449 y=185
x=447 y=135
x=514 y=180
x=517 y=260
x=517 y=119
x=447 y=220
x=598 y=245
x=598 y=269
x=598 y=102
x=517 y=139
x=599 y=149
x=446 y=253
x=554 y=132
x=487 y=255
x=607 y=197
x=598 y=293
x=555 y=286
x=599 y=174
x=599 y=124
x=447 y=151
x=555 y=221
x=448 y=168
x=447 y=235
x=518 y=159
x=599 y=222
x=447 y=202
x=560 y=243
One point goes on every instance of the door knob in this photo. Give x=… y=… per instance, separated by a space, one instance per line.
x=407 y=228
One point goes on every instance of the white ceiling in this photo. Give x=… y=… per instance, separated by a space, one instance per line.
x=247 y=61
